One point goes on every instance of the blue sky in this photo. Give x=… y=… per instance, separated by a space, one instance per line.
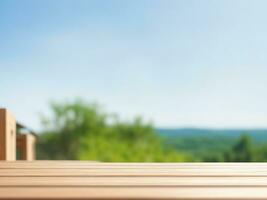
x=178 y=63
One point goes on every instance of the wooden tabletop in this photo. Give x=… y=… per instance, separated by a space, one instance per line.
x=95 y=180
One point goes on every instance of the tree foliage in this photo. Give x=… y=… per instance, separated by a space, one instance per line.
x=242 y=151
x=81 y=131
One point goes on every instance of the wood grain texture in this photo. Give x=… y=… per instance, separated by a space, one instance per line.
x=134 y=193
x=92 y=180
x=7 y=136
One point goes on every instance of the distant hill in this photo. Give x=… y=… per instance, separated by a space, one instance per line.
x=256 y=134
x=204 y=144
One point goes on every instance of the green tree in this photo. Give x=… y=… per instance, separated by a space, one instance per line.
x=81 y=131
x=242 y=151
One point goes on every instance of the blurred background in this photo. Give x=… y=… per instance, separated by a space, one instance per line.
x=142 y=80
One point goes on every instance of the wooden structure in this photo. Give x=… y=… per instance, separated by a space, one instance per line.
x=26 y=146
x=26 y=140
x=7 y=136
x=11 y=142
x=84 y=180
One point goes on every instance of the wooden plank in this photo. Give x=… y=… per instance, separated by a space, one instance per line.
x=69 y=168
x=133 y=193
x=7 y=136
x=132 y=172
x=132 y=181
x=101 y=165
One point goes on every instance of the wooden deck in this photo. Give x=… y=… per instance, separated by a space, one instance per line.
x=92 y=180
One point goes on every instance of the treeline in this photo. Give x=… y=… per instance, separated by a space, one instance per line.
x=216 y=148
x=81 y=131
x=244 y=150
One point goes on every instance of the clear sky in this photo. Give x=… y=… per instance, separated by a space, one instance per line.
x=178 y=63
